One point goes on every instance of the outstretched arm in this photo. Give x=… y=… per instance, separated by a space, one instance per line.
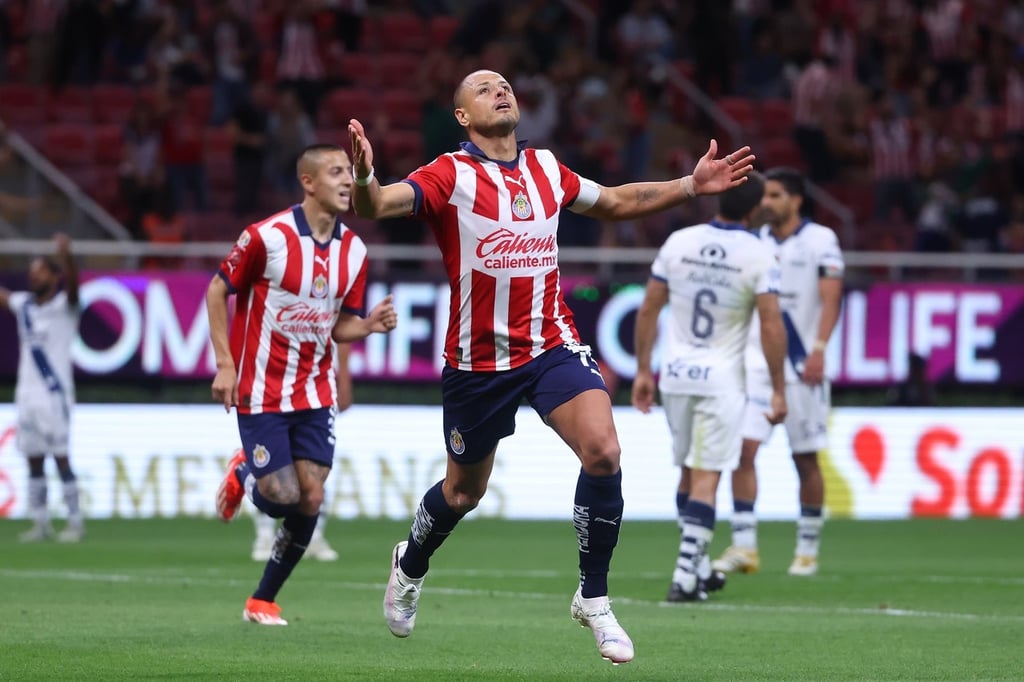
x=710 y=176
x=67 y=264
x=370 y=199
x=225 y=383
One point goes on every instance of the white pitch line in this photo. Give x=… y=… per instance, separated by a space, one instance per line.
x=120 y=578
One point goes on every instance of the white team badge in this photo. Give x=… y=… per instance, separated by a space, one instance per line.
x=260 y=456
x=521 y=206
x=456 y=441
x=244 y=239
x=319 y=286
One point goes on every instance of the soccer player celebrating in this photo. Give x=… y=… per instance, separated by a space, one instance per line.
x=493 y=206
x=713 y=276
x=299 y=278
x=810 y=294
x=45 y=391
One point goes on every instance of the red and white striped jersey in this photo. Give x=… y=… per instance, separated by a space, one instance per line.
x=495 y=224
x=289 y=289
x=891 y=155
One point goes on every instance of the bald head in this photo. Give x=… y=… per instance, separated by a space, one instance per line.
x=470 y=82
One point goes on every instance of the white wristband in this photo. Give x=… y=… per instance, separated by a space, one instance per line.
x=687 y=184
x=363 y=182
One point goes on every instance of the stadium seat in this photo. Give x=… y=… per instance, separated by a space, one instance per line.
x=22 y=104
x=108 y=140
x=218 y=144
x=776 y=117
x=69 y=105
x=741 y=110
x=442 y=28
x=360 y=69
x=341 y=104
x=113 y=103
x=402 y=31
x=394 y=69
x=69 y=145
x=403 y=108
x=780 y=151
x=404 y=151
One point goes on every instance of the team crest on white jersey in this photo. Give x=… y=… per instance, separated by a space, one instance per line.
x=319 y=286
x=244 y=239
x=713 y=251
x=521 y=206
x=260 y=456
x=456 y=442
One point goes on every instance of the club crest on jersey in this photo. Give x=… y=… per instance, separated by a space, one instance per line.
x=319 y=286
x=712 y=251
x=456 y=442
x=244 y=239
x=260 y=456
x=521 y=206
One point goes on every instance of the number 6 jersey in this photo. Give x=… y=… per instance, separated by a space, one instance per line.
x=714 y=274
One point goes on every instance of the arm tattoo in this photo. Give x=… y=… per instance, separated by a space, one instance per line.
x=647 y=195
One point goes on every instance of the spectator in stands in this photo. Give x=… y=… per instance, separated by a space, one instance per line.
x=163 y=225
x=81 y=42
x=813 y=96
x=644 y=36
x=893 y=170
x=349 y=17
x=248 y=128
x=181 y=139
x=141 y=171
x=538 y=106
x=936 y=219
x=985 y=217
x=915 y=390
x=289 y=131
x=232 y=49
x=43 y=17
x=762 y=72
x=299 y=65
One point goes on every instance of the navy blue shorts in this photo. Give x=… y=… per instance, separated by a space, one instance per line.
x=480 y=407
x=274 y=440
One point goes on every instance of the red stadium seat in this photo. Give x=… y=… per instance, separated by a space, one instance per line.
x=360 y=69
x=394 y=69
x=69 y=105
x=404 y=151
x=113 y=103
x=403 y=108
x=780 y=151
x=341 y=104
x=108 y=140
x=741 y=110
x=218 y=144
x=22 y=104
x=402 y=31
x=442 y=29
x=776 y=117
x=69 y=145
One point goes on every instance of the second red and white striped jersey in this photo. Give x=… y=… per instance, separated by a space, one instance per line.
x=496 y=223
x=289 y=290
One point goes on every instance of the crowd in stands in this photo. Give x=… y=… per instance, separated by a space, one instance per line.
x=184 y=117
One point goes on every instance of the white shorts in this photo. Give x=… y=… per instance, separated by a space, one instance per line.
x=44 y=427
x=705 y=429
x=806 y=422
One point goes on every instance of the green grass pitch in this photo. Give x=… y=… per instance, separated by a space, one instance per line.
x=162 y=599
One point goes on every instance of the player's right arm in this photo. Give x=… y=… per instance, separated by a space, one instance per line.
x=773 y=345
x=645 y=333
x=225 y=383
x=374 y=200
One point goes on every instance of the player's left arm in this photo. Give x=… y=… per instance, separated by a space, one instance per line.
x=67 y=264
x=645 y=333
x=830 y=290
x=343 y=377
x=350 y=327
x=638 y=199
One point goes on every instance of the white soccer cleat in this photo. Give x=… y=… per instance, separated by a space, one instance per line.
x=320 y=550
x=804 y=565
x=738 y=560
x=37 y=533
x=596 y=614
x=73 y=532
x=401 y=596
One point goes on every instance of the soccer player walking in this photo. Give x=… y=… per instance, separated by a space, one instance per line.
x=714 y=277
x=493 y=206
x=44 y=395
x=810 y=293
x=299 y=278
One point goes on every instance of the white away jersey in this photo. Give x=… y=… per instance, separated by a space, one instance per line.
x=807 y=255
x=45 y=333
x=714 y=274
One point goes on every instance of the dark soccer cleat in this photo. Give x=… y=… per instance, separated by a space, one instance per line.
x=714 y=582
x=676 y=594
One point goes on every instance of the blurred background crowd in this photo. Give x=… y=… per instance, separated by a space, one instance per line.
x=183 y=118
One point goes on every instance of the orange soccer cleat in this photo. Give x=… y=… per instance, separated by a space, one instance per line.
x=231 y=491
x=262 y=612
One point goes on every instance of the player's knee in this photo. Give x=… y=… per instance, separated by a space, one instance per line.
x=311 y=502
x=464 y=501
x=806 y=463
x=279 y=491
x=601 y=457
